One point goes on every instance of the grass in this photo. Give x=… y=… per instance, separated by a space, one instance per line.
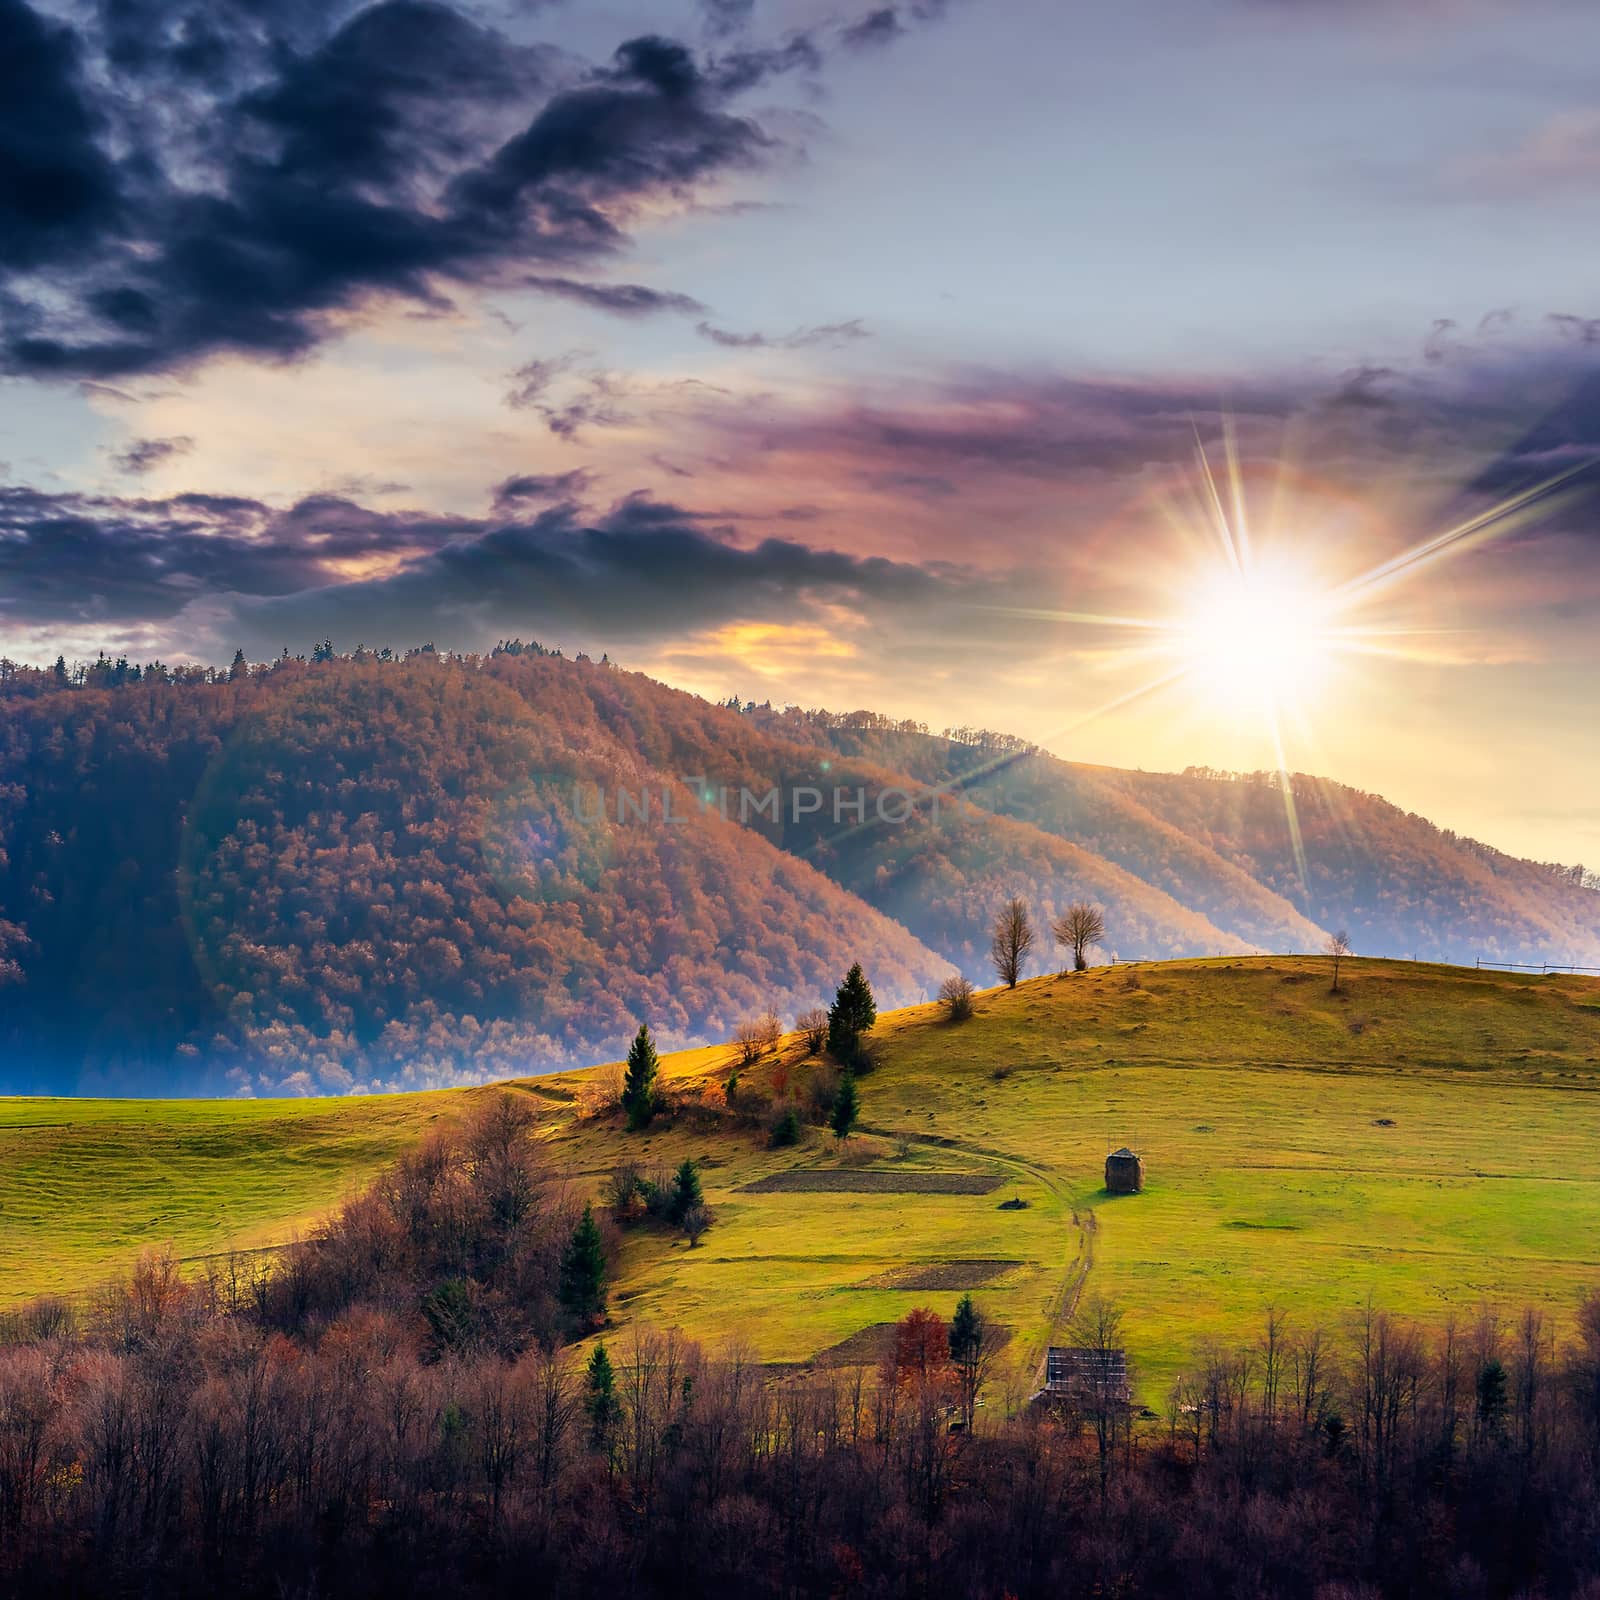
x=1429 y=1139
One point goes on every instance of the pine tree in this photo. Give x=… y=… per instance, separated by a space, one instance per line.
x=639 y=1086
x=846 y=1107
x=583 y=1270
x=685 y=1190
x=852 y=1014
x=968 y=1347
x=600 y=1397
x=240 y=667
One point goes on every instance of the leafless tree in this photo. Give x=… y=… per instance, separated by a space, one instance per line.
x=812 y=1025
x=955 y=995
x=1103 y=1400
x=1013 y=939
x=1336 y=949
x=1078 y=928
x=758 y=1037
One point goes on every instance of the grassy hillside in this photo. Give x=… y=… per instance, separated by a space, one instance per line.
x=1429 y=1138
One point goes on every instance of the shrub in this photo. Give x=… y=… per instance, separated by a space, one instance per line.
x=955 y=995
x=785 y=1130
x=625 y=1191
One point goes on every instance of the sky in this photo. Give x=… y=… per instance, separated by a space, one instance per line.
x=1181 y=382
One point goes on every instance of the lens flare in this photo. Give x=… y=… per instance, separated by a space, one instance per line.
x=1250 y=640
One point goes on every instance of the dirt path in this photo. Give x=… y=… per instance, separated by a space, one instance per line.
x=1076 y=1268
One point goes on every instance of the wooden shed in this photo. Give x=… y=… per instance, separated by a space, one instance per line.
x=1124 y=1172
x=1085 y=1375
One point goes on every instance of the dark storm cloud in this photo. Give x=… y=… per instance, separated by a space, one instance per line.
x=622 y=299
x=208 y=573
x=828 y=333
x=58 y=189
x=144 y=455
x=74 y=559
x=643 y=573
x=267 y=182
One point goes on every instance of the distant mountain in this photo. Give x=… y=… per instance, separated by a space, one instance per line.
x=372 y=873
x=382 y=874
x=1225 y=845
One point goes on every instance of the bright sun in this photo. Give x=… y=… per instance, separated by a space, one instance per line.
x=1253 y=640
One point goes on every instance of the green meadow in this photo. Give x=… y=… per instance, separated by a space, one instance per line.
x=1428 y=1140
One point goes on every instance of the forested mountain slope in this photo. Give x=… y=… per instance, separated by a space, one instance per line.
x=1223 y=844
x=380 y=873
x=375 y=872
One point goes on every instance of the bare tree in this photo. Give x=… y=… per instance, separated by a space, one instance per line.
x=1336 y=949
x=813 y=1026
x=955 y=995
x=1080 y=926
x=1103 y=1397
x=757 y=1037
x=1013 y=939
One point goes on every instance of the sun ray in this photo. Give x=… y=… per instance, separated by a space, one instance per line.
x=1258 y=629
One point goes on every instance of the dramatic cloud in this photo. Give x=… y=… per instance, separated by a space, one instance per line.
x=643 y=574
x=207 y=573
x=58 y=188
x=78 y=561
x=394 y=156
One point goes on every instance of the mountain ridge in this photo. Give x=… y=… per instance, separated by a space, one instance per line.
x=365 y=873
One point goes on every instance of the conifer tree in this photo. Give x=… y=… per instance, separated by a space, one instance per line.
x=846 y=1107
x=600 y=1397
x=969 y=1350
x=639 y=1085
x=852 y=1014
x=685 y=1190
x=583 y=1270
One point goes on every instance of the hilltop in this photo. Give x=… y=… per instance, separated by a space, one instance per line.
x=1427 y=1138
x=370 y=874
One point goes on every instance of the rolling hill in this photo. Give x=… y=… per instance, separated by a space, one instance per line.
x=1427 y=1139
